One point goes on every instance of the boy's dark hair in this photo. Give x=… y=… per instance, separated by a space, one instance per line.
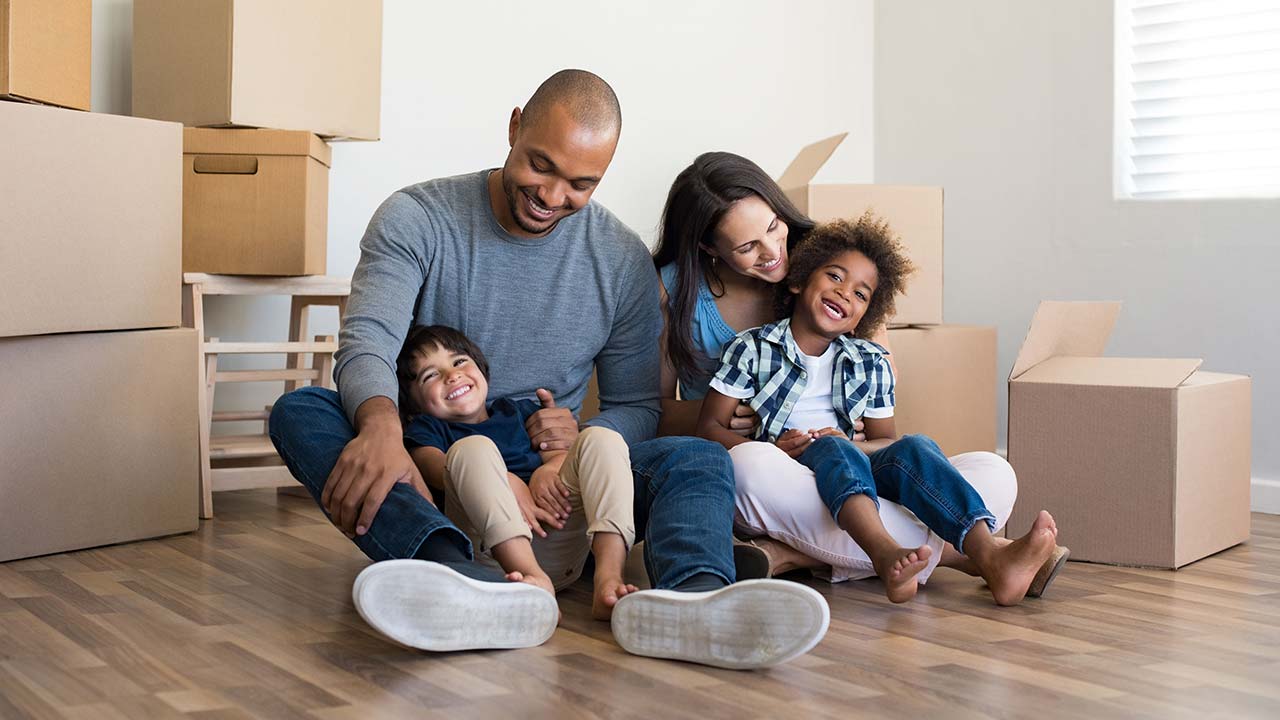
x=872 y=237
x=423 y=337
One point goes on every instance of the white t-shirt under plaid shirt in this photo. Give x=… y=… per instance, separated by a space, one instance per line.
x=764 y=366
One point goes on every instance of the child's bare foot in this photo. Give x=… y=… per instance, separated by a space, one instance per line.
x=608 y=590
x=536 y=579
x=898 y=569
x=1011 y=567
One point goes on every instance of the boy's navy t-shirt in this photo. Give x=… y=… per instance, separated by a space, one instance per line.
x=505 y=427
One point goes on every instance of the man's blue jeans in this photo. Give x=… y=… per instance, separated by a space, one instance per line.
x=912 y=472
x=683 y=493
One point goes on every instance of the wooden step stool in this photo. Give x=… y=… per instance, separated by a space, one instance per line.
x=238 y=462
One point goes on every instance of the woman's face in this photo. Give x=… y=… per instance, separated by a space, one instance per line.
x=751 y=240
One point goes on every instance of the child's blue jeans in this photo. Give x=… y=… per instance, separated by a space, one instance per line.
x=912 y=472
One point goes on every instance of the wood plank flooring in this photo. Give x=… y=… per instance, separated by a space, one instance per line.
x=251 y=616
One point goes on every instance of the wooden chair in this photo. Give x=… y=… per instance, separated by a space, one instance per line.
x=237 y=462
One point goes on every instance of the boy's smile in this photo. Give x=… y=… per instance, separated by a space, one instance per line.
x=833 y=300
x=448 y=385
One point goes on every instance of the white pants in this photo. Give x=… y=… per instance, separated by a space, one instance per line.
x=776 y=496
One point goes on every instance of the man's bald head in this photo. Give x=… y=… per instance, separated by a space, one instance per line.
x=587 y=98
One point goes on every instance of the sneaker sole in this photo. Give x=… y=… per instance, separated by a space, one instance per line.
x=750 y=624
x=428 y=606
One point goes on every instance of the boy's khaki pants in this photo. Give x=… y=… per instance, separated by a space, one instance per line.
x=597 y=472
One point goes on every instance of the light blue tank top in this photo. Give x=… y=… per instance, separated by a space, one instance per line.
x=709 y=332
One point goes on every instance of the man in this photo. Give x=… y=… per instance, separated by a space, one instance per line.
x=549 y=285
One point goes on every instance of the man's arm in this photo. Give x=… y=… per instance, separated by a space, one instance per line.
x=384 y=290
x=628 y=366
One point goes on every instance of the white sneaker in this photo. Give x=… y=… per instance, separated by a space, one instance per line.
x=749 y=624
x=428 y=606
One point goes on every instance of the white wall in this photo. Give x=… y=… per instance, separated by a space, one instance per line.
x=756 y=77
x=1008 y=105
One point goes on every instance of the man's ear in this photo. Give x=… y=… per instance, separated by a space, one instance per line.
x=513 y=127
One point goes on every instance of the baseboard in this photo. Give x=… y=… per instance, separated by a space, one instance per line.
x=1265 y=497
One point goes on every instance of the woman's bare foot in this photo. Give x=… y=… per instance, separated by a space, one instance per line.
x=608 y=590
x=898 y=569
x=1009 y=568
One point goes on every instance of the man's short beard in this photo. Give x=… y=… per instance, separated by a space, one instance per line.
x=509 y=189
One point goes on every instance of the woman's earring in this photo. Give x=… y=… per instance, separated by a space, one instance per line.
x=713 y=260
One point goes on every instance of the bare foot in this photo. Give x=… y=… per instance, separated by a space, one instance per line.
x=608 y=590
x=898 y=569
x=535 y=579
x=1011 y=567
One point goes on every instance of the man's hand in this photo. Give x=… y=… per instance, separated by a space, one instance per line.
x=551 y=428
x=549 y=492
x=744 y=420
x=529 y=510
x=369 y=466
x=794 y=442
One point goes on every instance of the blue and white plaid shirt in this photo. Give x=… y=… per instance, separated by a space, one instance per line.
x=763 y=365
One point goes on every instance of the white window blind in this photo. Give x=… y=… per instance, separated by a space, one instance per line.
x=1197 y=98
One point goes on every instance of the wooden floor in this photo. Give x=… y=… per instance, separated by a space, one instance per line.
x=251 y=616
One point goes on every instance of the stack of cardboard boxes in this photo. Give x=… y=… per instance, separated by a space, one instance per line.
x=259 y=86
x=98 y=392
x=946 y=374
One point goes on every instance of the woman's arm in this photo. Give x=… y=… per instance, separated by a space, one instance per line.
x=716 y=417
x=680 y=417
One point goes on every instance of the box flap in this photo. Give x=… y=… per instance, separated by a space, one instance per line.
x=1112 y=372
x=1078 y=329
x=808 y=161
x=229 y=141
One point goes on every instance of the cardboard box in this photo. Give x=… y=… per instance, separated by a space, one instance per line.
x=255 y=202
x=312 y=65
x=45 y=51
x=91 y=232
x=946 y=385
x=1142 y=461
x=98 y=435
x=914 y=213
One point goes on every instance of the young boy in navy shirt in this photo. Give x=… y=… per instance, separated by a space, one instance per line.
x=810 y=375
x=500 y=491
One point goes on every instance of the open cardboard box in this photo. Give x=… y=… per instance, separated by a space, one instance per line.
x=1142 y=461
x=946 y=385
x=913 y=212
x=313 y=65
x=45 y=51
x=255 y=202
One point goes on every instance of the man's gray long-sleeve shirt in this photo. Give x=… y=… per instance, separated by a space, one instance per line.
x=542 y=310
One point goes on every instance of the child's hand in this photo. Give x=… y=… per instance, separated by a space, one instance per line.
x=549 y=493
x=794 y=442
x=824 y=432
x=533 y=515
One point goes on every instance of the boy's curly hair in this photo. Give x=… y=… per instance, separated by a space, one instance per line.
x=872 y=237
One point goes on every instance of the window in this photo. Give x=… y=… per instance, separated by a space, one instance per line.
x=1197 y=98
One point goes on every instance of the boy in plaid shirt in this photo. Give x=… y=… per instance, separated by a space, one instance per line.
x=810 y=375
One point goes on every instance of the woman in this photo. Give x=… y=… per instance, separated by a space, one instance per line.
x=727 y=230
